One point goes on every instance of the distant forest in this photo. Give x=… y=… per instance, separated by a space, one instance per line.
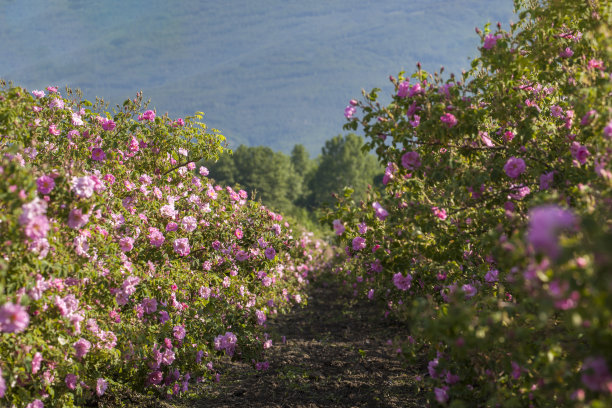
x=295 y=184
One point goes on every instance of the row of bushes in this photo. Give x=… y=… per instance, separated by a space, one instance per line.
x=121 y=263
x=493 y=238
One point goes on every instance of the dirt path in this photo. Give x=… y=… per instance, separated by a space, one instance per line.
x=336 y=355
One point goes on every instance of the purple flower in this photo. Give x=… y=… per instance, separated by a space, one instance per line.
x=519 y=192
x=402 y=89
x=338 y=227
x=492 y=276
x=415 y=90
x=270 y=252
x=155 y=377
x=56 y=103
x=379 y=211
x=76 y=119
x=54 y=130
x=588 y=117
x=45 y=184
x=449 y=119
x=469 y=290
x=150 y=116
x=81 y=347
x=76 y=218
x=2 y=385
x=168 y=357
x=83 y=186
x=566 y=53
x=101 y=385
x=13 y=318
x=441 y=394
x=545 y=223
x=484 y=136
x=181 y=246
x=108 y=124
x=411 y=160
x=490 y=41
x=32 y=209
x=439 y=212
x=608 y=130
x=415 y=122
x=38 y=94
x=402 y=282
x=98 y=154
x=261 y=317
x=349 y=111
x=226 y=342
x=126 y=244
x=36 y=404
x=595 y=374
x=156 y=238
x=579 y=152
x=556 y=111
x=359 y=243
x=37 y=228
x=149 y=305
x=179 y=332
x=71 y=381
x=189 y=224
x=36 y=360
x=546 y=180
x=514 y=167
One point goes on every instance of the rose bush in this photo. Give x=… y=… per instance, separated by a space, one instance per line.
x=121 y=263
x=493 y=238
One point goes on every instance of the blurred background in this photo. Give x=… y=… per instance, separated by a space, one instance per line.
x=273 y=73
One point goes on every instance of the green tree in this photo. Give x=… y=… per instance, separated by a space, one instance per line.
x=301 y=160
x=342 y=164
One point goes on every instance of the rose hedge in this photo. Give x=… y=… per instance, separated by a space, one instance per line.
x=493 y=238
x=121 y=263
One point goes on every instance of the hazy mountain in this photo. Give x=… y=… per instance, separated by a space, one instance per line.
x=268 y=72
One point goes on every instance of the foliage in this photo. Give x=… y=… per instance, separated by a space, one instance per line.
x=121 y=266
x=342 y=163
x=297 y=185
x=492 y=240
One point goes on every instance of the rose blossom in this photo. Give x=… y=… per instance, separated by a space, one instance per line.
x=358 y=243
x=449 y=119
x=402 y=282
x=411 y=160
x=101 y=385
x=270 y=253
x=514 y=167
x=545 y=223
x=338 y=227
x=81 y=347
x=71 y=381
x=76 y=218
x=45 y=184
x=379 y=211
x=181 y=246
x=156 y=237
x=13 y=318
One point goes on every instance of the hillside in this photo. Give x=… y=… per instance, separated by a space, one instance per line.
x=272 y=73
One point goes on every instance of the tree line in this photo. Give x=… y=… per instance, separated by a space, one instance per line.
x=296 y=184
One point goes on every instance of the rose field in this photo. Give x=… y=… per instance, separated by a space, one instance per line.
x=478 y=274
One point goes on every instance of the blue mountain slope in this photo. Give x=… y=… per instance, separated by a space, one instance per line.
x=274 y=72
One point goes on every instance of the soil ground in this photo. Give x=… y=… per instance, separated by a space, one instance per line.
x=336 y=355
